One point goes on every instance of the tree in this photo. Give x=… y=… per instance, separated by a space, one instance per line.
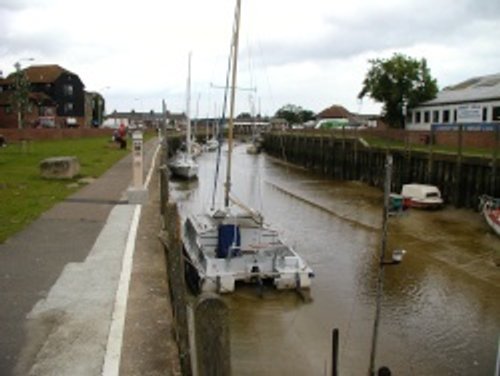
x=294 y=114
x=20 y=96
x=398 y=82
x=244 y=115
x=306 y=115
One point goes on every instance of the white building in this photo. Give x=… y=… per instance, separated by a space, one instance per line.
x=474 y=102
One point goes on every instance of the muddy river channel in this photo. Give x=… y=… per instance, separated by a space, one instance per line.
x=440 y=310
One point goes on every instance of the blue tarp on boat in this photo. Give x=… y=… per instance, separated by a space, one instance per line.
x=229 y=238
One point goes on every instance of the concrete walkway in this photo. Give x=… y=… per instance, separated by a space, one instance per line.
x=64 y=286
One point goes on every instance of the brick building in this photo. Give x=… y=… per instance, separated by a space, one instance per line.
x=56 y=98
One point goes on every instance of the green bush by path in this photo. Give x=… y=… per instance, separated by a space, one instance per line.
x=24 y=194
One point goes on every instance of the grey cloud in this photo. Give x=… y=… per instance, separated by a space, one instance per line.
x=46 y=43
x=377 y=30
x=487 y=9
x=14 y=5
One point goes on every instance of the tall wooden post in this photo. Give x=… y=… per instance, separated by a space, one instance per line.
x=212 y=336
x=407 y=174
x=335 y=352
x=343 y=153
x=458 y=169
x=380 y=280
x=430 y=161
x=494 y=162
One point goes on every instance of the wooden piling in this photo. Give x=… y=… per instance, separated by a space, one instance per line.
x=335 y=352
x=212 y=336
x=494 y=162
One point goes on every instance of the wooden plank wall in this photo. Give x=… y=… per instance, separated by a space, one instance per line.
x=461 y=179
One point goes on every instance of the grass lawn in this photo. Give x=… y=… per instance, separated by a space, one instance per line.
x=24 y=194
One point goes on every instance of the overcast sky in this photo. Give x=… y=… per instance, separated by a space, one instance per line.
x=311 y=53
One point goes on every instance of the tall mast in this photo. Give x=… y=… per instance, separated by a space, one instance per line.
x=236 y=33
x=188 y=109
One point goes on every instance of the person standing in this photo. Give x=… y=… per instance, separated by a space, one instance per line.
x=122 y=136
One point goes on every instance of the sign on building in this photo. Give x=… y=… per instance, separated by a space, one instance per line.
x=469 y=113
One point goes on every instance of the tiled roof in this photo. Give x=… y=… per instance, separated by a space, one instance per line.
x=40 y=74
x=473 y=89
x=44 y=73
x=334 y=112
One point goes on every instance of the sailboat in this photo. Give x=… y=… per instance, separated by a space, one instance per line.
x=232 y=244
x=182 y=164
x=254 y=147
x=196 y=148
x=211 y=143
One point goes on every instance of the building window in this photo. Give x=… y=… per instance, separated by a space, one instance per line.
x=435 y=116
x=68 y=90
x=446 y=116
x=496 y=114
x=68 y=107
x=455 y=114
x=485 y=113
x=418 y=117
x=427 y=116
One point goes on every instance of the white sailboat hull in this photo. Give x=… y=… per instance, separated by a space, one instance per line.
x=261 y=255
x=223 y=248
x=184 y=167
x=211 y=145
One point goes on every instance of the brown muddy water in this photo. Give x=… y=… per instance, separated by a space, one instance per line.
x=441 y=307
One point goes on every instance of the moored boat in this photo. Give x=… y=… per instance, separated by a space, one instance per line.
x=182 y=164
x=231 y=244
x=422 y=196
x=211 y=144
x=490 y=207
x=224 y=247
x=252 y=149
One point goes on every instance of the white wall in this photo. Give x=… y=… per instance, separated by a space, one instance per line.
x=412 y=122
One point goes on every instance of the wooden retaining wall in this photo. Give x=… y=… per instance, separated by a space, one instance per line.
x=207 y=352
x=461 y=179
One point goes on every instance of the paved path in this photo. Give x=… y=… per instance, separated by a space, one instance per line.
x=59 y=280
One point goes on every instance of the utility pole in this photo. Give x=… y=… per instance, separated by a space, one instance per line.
x=397 y=257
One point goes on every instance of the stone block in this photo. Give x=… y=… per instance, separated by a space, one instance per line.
x=60 y=167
